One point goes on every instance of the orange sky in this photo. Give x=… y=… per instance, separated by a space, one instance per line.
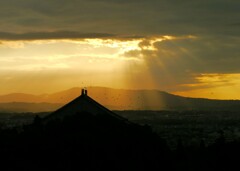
x=46 y=66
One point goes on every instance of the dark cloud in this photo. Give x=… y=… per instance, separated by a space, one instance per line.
x=201 y=55
x=179 y=61
x=237 y=24
x=134 y=17
x=52 y=35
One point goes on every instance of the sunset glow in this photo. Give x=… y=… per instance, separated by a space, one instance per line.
x=117 y=63
x=214 y=86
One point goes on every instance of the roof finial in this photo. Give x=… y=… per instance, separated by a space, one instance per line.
x=83 y=91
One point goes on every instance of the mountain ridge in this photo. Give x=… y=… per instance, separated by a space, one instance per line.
x=118 y=99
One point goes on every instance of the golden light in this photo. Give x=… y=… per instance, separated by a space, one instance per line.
x=214 y=86
x=116 y=63
x=67 y=63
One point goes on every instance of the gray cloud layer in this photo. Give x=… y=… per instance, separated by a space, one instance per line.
x=52 y=35
x=139 y=17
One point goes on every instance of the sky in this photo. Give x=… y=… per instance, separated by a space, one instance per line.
x=189 y=48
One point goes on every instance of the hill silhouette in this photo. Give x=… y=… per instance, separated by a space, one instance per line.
x=18 y=107
x=119 y=99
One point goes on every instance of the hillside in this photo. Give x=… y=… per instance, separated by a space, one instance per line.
x=114 y=99
x=18 y=107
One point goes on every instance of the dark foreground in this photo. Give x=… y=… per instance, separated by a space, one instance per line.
x=87 y=142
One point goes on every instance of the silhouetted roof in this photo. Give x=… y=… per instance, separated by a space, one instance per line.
x=82 y=104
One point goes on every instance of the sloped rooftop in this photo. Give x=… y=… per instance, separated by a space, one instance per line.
x=82 y=104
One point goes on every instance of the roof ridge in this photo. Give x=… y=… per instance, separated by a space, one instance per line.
x=87 y=104
x=101 y=106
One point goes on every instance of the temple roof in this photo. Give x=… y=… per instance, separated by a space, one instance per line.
x=82 y=104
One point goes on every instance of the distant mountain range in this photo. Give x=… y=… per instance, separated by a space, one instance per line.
x=114 y=99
